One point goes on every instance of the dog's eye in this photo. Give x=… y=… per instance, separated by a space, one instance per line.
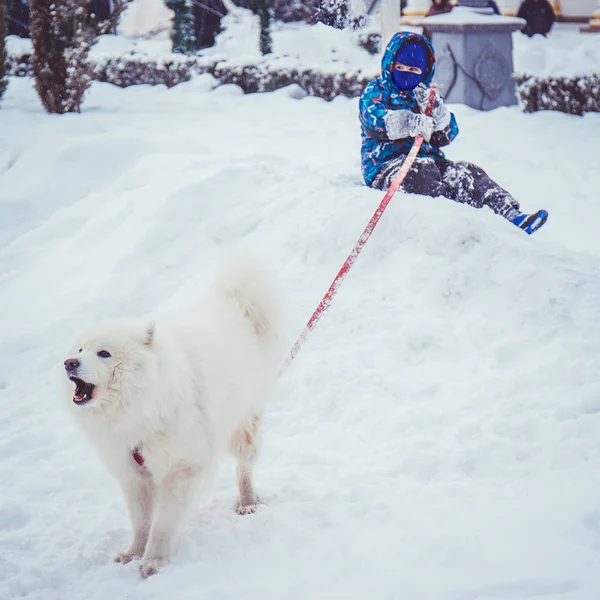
x=80 y=349
x=104 y=354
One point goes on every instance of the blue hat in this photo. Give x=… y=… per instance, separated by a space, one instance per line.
x=413 y=53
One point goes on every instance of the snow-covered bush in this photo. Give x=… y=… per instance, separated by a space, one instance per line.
x=19 y=65
x=130 y=70
x=3 y=55
x=61 y=36
x=323 y=85
x=371 y=42
x=127 y=71
x=572 y=95
x=333 y=13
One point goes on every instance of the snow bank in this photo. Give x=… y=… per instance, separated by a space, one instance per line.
x=438 y=435
x=565 y=52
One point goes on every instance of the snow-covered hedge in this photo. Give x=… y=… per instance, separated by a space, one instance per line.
x=126 y=71
x=130 y=70
x=19 y=65
x=572 y=95
x=323 y=85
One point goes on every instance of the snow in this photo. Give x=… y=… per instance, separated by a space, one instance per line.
x=147 y=18
x=16 y=46
x=565 y=52
x=460 y=15
x=436 y=438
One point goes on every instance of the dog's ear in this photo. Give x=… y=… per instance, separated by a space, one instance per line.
x=149 y=334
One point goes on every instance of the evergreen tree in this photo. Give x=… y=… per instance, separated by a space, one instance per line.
x=62 y=37
x=184 y=31
x=264 y=14
x=3 y=57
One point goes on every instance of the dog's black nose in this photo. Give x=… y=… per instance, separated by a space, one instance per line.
x=71 y=364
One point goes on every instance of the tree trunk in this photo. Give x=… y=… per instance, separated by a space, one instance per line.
x=3 y=57
x=390 y=21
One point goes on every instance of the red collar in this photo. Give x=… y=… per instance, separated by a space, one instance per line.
x=139 y=459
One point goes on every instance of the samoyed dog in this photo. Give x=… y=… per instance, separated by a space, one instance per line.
x=163 y=399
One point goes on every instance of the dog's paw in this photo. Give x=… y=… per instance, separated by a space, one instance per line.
x=247 y=509
x=126 y=557
x=151 y=566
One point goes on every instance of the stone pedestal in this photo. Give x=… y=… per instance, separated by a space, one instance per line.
x=474 y=55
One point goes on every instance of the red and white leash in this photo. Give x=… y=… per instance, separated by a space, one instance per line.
x=362 y=240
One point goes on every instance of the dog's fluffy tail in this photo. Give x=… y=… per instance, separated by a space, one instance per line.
x=248 y=282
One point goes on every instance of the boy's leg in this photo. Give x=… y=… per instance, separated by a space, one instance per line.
x=467 y=183
x=424 y=177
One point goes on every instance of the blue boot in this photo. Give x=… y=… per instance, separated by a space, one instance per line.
x=530 y=223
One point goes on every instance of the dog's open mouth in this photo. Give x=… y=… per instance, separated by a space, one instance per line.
x=83 y=391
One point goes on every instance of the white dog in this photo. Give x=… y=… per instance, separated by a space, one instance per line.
x=163 y=400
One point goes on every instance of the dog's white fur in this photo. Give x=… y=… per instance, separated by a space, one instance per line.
x=181 y=390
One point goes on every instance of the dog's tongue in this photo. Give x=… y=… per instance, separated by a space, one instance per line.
x=79 y=393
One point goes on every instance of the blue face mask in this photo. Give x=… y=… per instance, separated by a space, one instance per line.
x=413 y=54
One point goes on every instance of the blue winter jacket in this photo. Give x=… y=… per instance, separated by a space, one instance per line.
x=380 y=96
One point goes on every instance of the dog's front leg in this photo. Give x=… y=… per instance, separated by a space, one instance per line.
x=172 y=499
x=139 y=493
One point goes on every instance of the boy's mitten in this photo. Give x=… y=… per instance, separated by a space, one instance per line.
x=404 y=123
x=440 y=113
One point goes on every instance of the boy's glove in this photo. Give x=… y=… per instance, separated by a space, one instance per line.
x=405 y=123
x=440 y=114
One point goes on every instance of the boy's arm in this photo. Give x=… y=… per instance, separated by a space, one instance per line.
x=442 y=137
x=382 y=123
x=372 y=111
x=445 y=128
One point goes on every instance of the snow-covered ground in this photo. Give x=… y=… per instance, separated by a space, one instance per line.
x=438 y=436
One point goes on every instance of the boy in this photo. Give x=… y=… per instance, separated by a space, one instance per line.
x=392 y=114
